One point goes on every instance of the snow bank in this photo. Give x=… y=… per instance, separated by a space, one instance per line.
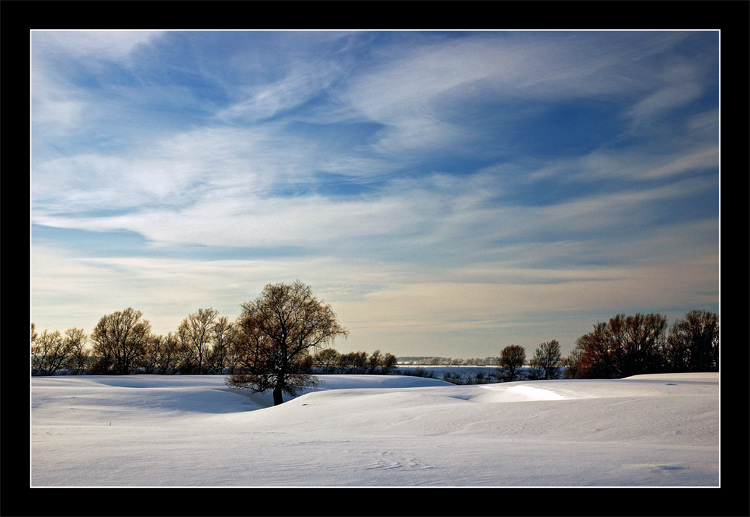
x=364 y=430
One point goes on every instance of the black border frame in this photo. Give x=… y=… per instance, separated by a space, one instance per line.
x=730 y=17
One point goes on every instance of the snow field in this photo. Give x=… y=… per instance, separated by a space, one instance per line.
x=376 y=431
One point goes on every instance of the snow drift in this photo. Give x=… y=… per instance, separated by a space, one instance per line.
x=376 y=431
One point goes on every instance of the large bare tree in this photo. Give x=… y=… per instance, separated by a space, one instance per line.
x=277 y=332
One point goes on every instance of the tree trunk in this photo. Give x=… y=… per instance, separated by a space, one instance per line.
x=277 y=397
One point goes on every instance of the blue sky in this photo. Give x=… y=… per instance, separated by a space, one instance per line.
x=448 y=193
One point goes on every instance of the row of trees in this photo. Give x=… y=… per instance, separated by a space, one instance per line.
x=271 y=345
x=638 y=344
x=201 y=346
x=625 y=346
x=545 y=364
x=620 y=347
x=122 y=342
x=52 y=351
x=281 y=339
x=204 y=342
x=330 y=361
x=207 y=343
x=456 y=377
x=447 y=361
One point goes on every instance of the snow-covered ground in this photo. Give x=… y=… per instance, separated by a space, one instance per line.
x=376 y=431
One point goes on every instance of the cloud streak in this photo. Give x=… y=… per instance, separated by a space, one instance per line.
x=428 y=183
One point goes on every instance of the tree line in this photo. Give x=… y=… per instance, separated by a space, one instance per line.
x=275 y=344
x=447 y=361
x=625 y=346
x=212 y=350
x=280 y=340
x=122 y=343
x=547 y=363
x=643 y=343
x=620 y=347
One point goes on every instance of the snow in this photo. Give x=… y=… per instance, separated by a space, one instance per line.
x=375 y=431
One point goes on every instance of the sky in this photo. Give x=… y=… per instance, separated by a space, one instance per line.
x=448 y=193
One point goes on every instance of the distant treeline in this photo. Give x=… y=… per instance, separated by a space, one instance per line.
x=620 y=347
x=447 y=361
x=205 y=343
x=329 y=361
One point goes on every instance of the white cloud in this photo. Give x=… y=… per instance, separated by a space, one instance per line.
x=436 y=315
x=302 y=82
x=59 y=106
x=97 y=44
x=442 y=220
x=414 y=90
x=54 y=110
x=390 y=304
x=174 y=172
x=420 y=255
x=662 y=159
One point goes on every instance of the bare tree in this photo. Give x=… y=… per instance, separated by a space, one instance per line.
x=79 y=355
x=353 y=362
x=599 y=353
x=235 y=349
x=640 y=339
x=388 y=363
x=327 y=360
x=49 y=352
x=572 y=364
x=223 y=333
x=547 y=360
x=373 y=362
x=167 y=349
x=624 y=346
x=693 y=342
x=150 y=356
x=381 y=363
x=279 y=330
x=119 y=340
x=196 y=332
x=512 y=358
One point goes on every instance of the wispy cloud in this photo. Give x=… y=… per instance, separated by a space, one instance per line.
x=59 y=101
x=427 y=183
x=100 y=45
